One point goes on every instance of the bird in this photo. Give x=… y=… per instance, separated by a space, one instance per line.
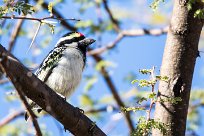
x=62 y=68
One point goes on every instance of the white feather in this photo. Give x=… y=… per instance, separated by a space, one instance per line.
x=66 y=76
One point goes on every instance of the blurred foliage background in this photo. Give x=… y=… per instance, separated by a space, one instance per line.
x=130 y=35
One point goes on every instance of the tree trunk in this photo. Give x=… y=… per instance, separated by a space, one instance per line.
x=178 y=64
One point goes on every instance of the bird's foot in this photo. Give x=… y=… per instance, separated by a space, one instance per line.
x=65 y=129
x=27 y=116
x=80 y=110
x=39 y=110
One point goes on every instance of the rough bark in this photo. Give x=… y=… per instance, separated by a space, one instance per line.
x=26 y=82
x=178 y=63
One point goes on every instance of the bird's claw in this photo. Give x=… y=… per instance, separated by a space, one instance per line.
x=65 y=129
x=80 y=110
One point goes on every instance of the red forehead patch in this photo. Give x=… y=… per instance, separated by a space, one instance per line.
x=81 y=34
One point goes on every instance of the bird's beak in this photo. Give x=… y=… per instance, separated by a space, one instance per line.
x=86 y=42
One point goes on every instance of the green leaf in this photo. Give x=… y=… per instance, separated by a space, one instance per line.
x=144 y=127
x=134 y=109
x=104 y=63
x=129 y=77
x=84 y=24
x=85 y=100
x=134 y=81
x=145 y=71
x=50 y=6
x=190 y=4
x=146 y=83
x=22 y=7
x=155 y=4
x=51 y=25
x=106 y=99
x=141 y=100
x=162 y=78
x=90 y=83
x=11 y=97
x=152 y=95
x=174 y=100
x=199 y=14
x=197 y=95
x=1 y=12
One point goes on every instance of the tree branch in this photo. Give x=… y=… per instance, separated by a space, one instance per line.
x=58 y=15
x=114 y=21
x=14 y=34
x=4 y=81
x=11 y=117
x=38 y=19
x=114 y=92
x=102 y=109
x=30 y=112
x=23 y=80
x=129 y=33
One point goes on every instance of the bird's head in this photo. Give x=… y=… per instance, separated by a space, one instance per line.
x=76 y=40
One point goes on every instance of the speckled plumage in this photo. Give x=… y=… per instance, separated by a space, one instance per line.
x=64 y=73
x=62 y=69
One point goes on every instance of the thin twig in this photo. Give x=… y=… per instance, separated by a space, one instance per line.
x=150 y=109
x=14 y=34
x=98 y=12
x=103 y=109
x=194 y=106
x=58 y=15
x=142 y=32
x=38 y=28
x=2 y=23
x=38 y=19
x=11 y=117
x=30 y=112
x=22 y=17
x=152 y=102
x=19 y=24
x=114 y=21
x=129 y=33
x=4 y=81
x=114 y=92
x=105 y=48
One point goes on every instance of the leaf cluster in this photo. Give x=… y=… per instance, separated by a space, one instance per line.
x=199 y=13
x=144 y=83
x=148 y=83
x=134 y=109
x=19 y=7
x=50 y=6
x=174 y=100
x=155 y=4
x=22 y=7
x=104 y=64
x=90 y=81
x=144 y=127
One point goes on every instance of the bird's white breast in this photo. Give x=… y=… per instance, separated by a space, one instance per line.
x=66 y=76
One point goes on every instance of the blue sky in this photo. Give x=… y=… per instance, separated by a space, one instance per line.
x=130 y=55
